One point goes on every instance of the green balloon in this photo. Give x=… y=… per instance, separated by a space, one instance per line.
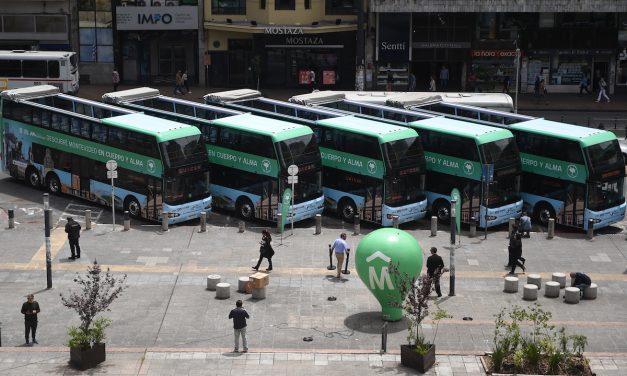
x=374 y=254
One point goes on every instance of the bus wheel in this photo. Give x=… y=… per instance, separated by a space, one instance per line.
x=54 y=185
x=32 y=177
x=347 y=210
x=132 y=205
x=442 y=209
x=544 y=212
x=245 y=208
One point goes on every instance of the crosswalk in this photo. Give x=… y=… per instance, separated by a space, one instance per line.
x=77 y=211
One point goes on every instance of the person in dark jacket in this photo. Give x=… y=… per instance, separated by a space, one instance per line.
x=435 y=266
x=30 y=309
x=580 y=281
x=239 y=316
x=515 y=251
x=265 y=250
x=73 y=230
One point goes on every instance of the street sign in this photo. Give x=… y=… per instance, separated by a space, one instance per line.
x=292 y=170
x=112 y=174
x=112 y=165
x=292 y=180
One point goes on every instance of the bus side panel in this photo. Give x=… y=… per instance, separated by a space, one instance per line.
x=332 y=197
x=531 y=200
x=502 y=214
x=306 y=209
x=406 y=213
x=185 y=212
x=606 y=217
x=226 y=198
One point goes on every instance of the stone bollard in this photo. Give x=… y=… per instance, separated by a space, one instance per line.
x=560 y=278
x=473 y=227
x=434 y=226
x=242 y=282
x=511 y=284
x=212 y=281
x=318 y=224
x=356 y=225
x=590 y=232
x=11 y=218
x=572 y=295
x=590 y=292
x=551 y=231
x=512 y=222
x=259 y=293
x=395 y=221
x=203 y=221
x=87 y=219
x=279 y=220
x=241 y=226
x=535 y=279
x=552 y=289
x=165 y=216
x=127 y=220
x=223 y=290
x=530 y=292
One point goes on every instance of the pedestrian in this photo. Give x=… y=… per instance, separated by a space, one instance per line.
x=178 y=82
x=239 y=316
x=542 y=91
x=506 y=83
x=472 y=82
x=184 y=78
x=443 y=78
x=312 y=80
x=411 y=82
x=580 y=281
x=340 y=247
x=73 y=230
x=265 y=250
x=536 y=88
x=115 y=78
x=432 y=84
x=525 y=225
x=602 y=87
x=515 y=252
x=389 y=79
x=435 y=267
x=583 y=84
x=30 y=309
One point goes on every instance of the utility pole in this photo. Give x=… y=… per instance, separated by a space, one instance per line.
x=451 y=291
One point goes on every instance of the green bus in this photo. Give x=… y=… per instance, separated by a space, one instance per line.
x=62 y=143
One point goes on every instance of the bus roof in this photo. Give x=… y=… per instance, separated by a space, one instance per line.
x=163 y=130
x=384 y=132
x=30 y=92
x=482 y=133
x=584 y=135
x=34 y=55
x=277 y=129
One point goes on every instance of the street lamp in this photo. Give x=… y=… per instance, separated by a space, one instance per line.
x=517 y=78
x=451 y=291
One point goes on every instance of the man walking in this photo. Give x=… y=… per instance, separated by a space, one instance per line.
x=340 y=246
x=239 y=316
x=30 y=309
x=435 y=266
x=443 y=78
x=602 y=87
x=73 y=230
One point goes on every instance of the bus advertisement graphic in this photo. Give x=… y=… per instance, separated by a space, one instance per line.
x=352 y=163
x=553 y=168
x=453 y=166
x=242 y=161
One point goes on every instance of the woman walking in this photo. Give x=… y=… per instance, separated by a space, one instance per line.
x=265 y=250
x=515 y=251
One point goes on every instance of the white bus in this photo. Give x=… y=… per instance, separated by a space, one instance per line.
x=19 y=68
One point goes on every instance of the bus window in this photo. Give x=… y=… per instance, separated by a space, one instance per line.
x=75 y=127
x=99 y=133
x=53 y=69
x=117 y=138
x=45 y=118
x=34 y=68
x=37 y=116
x=86 y=129
x=11 y=68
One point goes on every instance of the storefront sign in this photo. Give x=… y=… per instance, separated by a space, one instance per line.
x=572 y=52
x=441 y=45
x=393 y=44
x=493 y=53
x=157 y=18
x=283 y=30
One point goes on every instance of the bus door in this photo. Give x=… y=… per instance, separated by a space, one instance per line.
x=574 y=204
x=81 y=170
x=471 y=201
x=154 y=198
x=269 y=200
x=373 y=203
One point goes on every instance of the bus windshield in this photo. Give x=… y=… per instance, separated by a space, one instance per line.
x=500 y=151
x=183 y=151
x=605 y=194
x=603 y=157
x=404 y=190
x=299 y=150
x=73 y=62
x=309 y=186
x=404 y=153
x=185 y=188
x=504 y=191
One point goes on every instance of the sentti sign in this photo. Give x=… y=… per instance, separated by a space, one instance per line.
x=157 y=18
x=393 y=39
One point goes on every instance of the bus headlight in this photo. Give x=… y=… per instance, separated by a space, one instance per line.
x=597 y=220
x=491 y=217
x=174 y=215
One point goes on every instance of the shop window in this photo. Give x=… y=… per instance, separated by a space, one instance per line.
x=262 y=4
x=307 y=4
x=228 y=6
x=340 y=6
x=284 y=4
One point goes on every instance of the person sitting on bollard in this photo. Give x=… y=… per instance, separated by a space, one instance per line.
x=525 y=225
x=340 y=246
x=580 y=281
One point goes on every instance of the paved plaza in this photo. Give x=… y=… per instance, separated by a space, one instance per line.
x=166 y=322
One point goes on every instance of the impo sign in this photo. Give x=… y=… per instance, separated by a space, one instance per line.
x=157 y=18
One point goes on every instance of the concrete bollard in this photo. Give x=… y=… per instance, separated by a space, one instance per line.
x=203 y=221
x=356 y=226
x=551 y=231
x=473 y=227
x=241 y=226
x=223 y=290
x=530 y=292
x=165 y=216
x=259 y=293
x=11 y=218
x=242 y=283
x=434 y=225
x=559 y=278
x=279 y=220
x=395 y=221
x=590 y=292
x=511 y=284
x=552 y=289
x=127 y=220
x=572 y=295
x=590 y=233
x=318 y=224
x=87 y=219
x=212 y=281
x=534 y=279
x=512 y=222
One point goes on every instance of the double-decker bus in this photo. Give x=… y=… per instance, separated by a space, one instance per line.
x=249 y=156
x=62 y=143
x=19 y=68
x=456 y=153
x=570 y=173
x=370 y=168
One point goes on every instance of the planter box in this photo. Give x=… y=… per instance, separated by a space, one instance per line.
x=421 y=362
x=87 y=358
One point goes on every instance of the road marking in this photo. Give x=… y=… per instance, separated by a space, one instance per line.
x=57 y=240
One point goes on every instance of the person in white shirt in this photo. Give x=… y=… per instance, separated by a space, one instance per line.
x=340 y=247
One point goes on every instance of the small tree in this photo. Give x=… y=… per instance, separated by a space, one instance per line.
x=97 y=291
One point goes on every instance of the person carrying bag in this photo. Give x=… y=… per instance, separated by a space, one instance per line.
x=265 y=250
